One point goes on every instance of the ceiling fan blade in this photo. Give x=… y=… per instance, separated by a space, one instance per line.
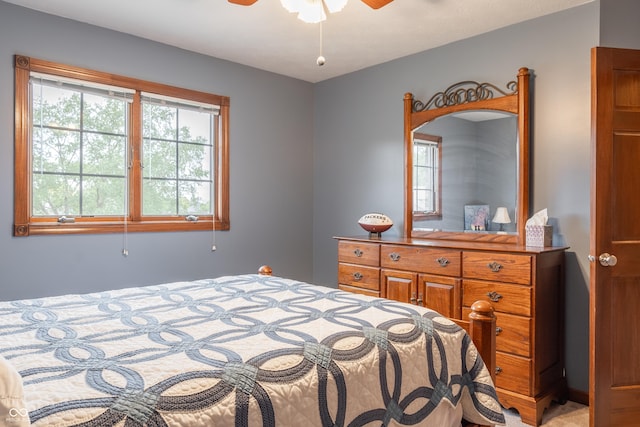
x=243 y=2
x=376 y=4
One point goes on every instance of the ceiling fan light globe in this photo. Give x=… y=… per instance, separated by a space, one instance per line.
x=335 y=5
x=311 y=11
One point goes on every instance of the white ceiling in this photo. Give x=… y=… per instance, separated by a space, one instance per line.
x=267 y=37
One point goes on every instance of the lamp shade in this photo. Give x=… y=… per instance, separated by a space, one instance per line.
x=501 y=216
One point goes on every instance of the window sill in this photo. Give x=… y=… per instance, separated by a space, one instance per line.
x=102 y=227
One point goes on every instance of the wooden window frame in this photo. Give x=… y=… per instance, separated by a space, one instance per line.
x=437 y=214
x=25 y=224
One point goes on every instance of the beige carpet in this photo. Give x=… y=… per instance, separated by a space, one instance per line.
x=571 y=414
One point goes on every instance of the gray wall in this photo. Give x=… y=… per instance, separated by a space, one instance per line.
x=270 y=184
x=619 y=24
x=358 y=154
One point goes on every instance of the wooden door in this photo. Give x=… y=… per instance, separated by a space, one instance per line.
x=614 y=384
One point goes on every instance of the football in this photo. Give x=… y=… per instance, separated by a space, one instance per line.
x=375 y=222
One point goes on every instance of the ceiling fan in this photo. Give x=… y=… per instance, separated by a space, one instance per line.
x=374 y=4
x=313 y=11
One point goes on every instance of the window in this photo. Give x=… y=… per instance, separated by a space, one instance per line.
x=427 y=175
x=98 y=153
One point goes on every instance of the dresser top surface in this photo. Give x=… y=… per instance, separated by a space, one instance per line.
x=453 y=244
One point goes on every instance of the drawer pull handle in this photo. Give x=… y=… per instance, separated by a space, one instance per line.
x=412 y=300
x=443 y=261
x=358 y=253
x=357 y=276
x=420 y=300
x=494 y=296
x=498 y=330
x=394 y=256
x=494 y=266
x=498 y=370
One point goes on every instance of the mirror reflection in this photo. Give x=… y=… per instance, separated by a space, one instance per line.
x=467 y=162
x=465 y=167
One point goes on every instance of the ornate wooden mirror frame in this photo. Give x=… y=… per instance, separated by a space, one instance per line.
x=465 y=96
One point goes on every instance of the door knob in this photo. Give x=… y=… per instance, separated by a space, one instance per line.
x=607 y=260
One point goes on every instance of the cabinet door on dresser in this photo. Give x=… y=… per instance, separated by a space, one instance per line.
x=400 y=286
x=358 y=267
x=425 y=276
x=441 y=294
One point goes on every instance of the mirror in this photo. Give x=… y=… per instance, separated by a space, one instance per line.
x=467 y=159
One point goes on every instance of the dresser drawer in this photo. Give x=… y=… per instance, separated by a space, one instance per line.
x=359 y=253
x=497 y=267
x=512 y=333
x=513 y=373
x=359 y=276
x=505 y=298
x=444 y=262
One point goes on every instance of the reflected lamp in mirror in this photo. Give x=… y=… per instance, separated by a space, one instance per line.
x=501 y=217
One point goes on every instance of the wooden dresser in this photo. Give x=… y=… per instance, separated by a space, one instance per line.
x=524 y=284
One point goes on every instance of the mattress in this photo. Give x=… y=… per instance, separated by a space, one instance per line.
x=245 y=350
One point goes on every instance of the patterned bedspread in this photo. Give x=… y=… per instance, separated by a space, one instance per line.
x=242 y=351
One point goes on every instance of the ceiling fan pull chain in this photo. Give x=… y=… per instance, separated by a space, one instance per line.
x=321 y=59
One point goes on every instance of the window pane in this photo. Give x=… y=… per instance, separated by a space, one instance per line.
x=418 y=177
x=159 y=121
x=103 y=196
x=419 y=154
x=423 y=200
x=194 y=198
x=78 y=172
x=56 y=107
x=425 y=176
x=159 y=197
x=159 y=159
x=104 y=114
x=195 y=161
x=178 y=162
x=56 y=150
x=55 y=195
x=419 y=200
x=104 y=154
x=195 y=126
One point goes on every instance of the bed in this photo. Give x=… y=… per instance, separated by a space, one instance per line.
x=246 y=350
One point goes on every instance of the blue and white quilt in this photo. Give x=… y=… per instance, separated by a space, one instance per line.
x=244 y=350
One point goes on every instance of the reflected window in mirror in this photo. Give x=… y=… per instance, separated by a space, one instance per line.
x=427 y=176
x=478 y=157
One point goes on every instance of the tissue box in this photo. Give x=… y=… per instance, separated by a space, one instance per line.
x=539 y=235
